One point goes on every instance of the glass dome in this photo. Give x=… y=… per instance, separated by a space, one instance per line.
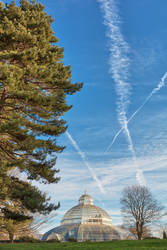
x=86 y=212
x=86 y=199
x=86 y=222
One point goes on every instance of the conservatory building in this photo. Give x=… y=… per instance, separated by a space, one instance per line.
x=85 y=222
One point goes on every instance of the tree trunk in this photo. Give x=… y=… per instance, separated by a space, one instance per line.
x=11 y=237
x=139 y=235
x=139 y=229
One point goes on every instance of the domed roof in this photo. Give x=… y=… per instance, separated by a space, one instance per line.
x=86 y=222
x=86 y=212
x=82 y=232
x=86 y=199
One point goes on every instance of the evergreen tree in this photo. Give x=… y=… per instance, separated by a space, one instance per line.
x=34 y=83
x=33 y=87
x=23 y=200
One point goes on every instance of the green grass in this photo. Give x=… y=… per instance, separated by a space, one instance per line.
x=113 y=245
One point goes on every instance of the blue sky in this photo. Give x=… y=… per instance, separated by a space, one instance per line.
x=94 y=118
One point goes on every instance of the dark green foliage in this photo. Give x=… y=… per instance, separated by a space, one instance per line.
x=28 y=239
x=72 y=239
x=151 y=238
x=31 y=198
x=34 y=83
x=15 y=216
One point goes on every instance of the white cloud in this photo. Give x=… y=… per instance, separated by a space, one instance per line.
x=153 y=50
x=114 y=175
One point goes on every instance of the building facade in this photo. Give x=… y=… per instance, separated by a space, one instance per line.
x=85 y=222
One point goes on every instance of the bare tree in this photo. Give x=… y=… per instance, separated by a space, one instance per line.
x=146 y=232
x=139 y=208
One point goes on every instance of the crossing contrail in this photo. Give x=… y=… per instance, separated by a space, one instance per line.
x=155 y=90
x=83 y=157
x=119 y=70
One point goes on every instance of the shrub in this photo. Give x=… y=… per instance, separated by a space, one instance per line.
x=72 y=239
x=28 y=239
x=53 y=240
x=151 y=238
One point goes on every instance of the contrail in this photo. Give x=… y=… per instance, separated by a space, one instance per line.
x=119 y=68
x=82 y=155
x=159 y=86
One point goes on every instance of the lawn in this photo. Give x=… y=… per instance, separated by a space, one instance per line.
x=113 y=245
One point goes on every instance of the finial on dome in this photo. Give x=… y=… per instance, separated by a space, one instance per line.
x=85 y=199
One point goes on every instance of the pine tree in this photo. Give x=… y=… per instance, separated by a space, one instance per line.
x=34 y=83
x=23 y=200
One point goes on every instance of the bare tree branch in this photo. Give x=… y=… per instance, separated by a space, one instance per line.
x=139 y=208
